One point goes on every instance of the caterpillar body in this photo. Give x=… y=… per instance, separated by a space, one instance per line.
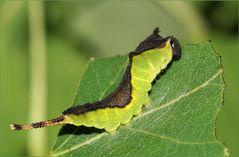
x=144 y=64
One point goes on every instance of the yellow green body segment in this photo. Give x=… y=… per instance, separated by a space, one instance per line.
x=151 y=62
x=144 y=64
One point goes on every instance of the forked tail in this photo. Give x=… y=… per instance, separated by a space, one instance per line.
x=56 y=121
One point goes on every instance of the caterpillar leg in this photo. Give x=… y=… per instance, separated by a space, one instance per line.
x=111 y=128
x=147 y=101
x=111 y=119
x=138 y=113
x=110 y=131
x=127 y=114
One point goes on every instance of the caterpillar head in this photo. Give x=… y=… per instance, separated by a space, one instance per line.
x=157 y=41
x=176 y=48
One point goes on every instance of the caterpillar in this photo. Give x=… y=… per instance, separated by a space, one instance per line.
x=150 y=57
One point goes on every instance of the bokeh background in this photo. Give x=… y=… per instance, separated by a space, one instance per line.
x=44 y=48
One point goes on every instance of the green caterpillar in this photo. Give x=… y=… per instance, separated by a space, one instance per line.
x=144 y=64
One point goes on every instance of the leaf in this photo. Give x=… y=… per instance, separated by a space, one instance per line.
x=179 y=122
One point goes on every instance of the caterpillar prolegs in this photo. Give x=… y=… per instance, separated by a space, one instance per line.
x=144 y=64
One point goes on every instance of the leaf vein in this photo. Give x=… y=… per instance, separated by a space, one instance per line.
x=90 y=140
x=168 y=138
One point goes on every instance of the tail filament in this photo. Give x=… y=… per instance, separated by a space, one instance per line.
x=52 y=122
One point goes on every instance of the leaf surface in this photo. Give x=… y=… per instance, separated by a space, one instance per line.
x=180 y=122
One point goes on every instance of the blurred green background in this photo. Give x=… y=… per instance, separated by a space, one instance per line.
x=44 y=48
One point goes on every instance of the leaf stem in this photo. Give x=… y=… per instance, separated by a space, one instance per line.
x=38 y=97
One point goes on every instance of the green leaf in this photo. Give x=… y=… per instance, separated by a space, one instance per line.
x=179 y=122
